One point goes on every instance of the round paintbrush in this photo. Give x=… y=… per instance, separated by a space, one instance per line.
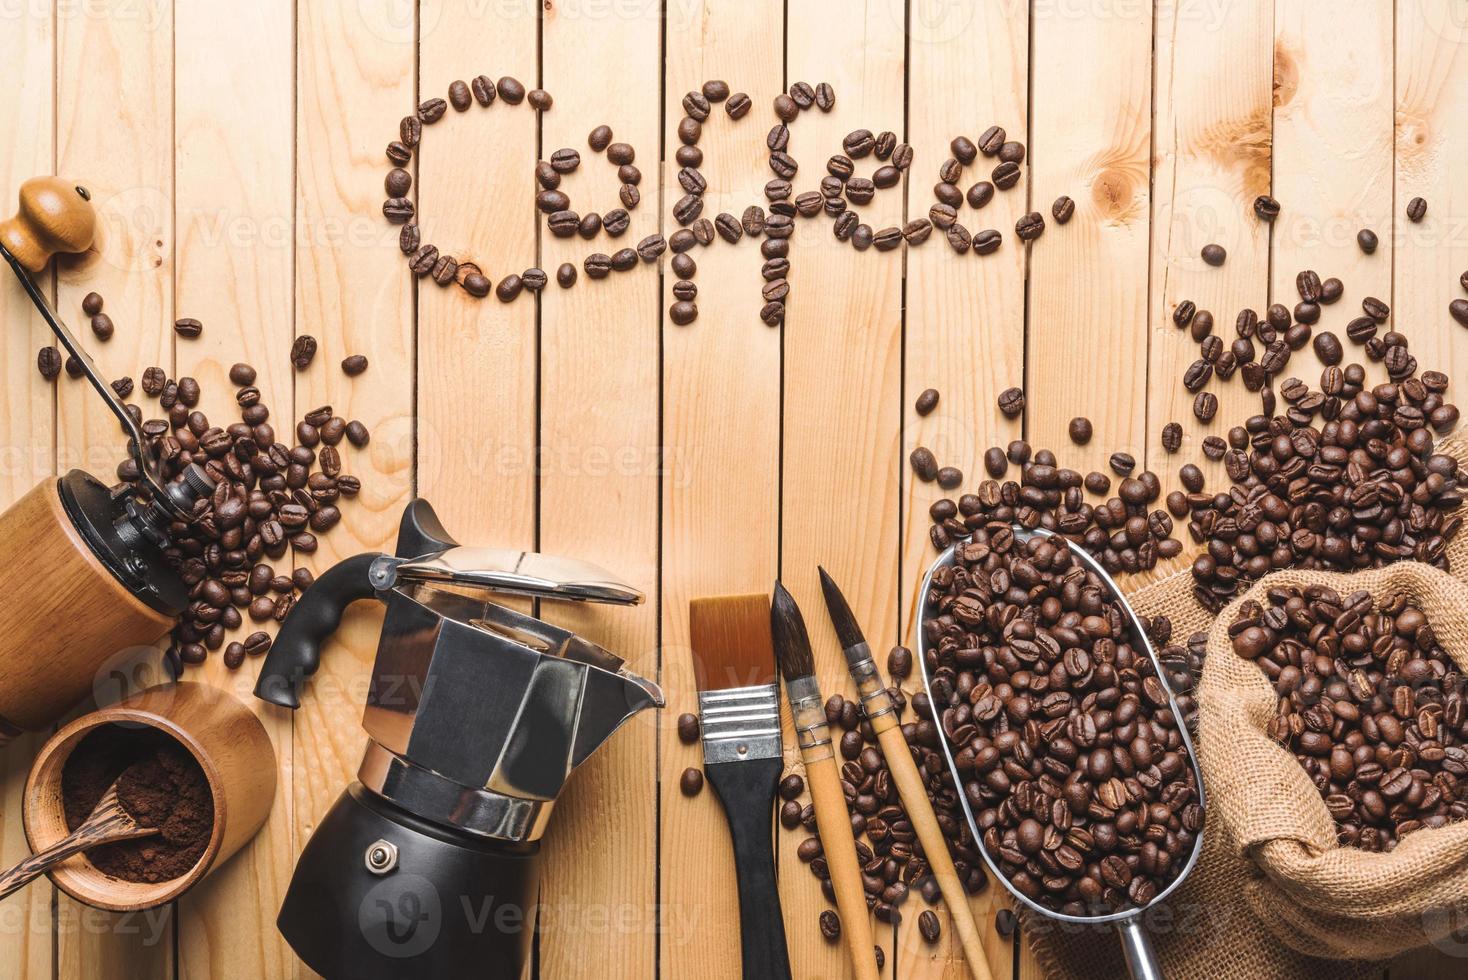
x=797 y=666
x=882 y=714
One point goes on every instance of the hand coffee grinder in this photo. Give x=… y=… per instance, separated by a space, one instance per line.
x=476 y=715
x=82 y=570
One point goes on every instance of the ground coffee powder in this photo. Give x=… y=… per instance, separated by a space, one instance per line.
x=158 y=783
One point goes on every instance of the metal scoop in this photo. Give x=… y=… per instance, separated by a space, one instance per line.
x=1136 y=945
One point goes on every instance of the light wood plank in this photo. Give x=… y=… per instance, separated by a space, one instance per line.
x=721 y=433
x=1333 y=126
x=28 y=433
x=967 y=69
x=114 y=110
x=477 y=358
x=1090 y=136
x=1431 y=143
x=599 y=483
x=234 y=211
x=355 y=79
x=840 y=504
x=1212 y=148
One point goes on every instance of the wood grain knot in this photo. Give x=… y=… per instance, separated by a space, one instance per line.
x=1114 y=193
x=1286 y=74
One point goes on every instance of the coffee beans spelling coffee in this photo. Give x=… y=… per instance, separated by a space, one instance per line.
x=1063 y=732
x=1370 y=704
x=841 y=189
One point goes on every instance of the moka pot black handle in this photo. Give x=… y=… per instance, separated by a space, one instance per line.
x=296 y=652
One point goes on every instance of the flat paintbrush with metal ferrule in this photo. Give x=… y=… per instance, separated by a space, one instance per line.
x=739 y=705
x=807 y=708
x=882 y=714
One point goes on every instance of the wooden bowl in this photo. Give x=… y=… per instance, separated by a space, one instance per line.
x=232 y=748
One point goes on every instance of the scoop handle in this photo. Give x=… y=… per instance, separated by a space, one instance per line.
x=1136 y=949
x=55 y=215
x=106 y=824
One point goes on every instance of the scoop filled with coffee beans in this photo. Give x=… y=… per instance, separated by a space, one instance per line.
x=1074 y=765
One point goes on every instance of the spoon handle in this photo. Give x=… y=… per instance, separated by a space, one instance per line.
x=106 y=825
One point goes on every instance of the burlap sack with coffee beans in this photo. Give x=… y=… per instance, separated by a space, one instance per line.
x=1273 y=895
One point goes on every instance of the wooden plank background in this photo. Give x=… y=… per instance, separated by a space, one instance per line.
x=235 y=153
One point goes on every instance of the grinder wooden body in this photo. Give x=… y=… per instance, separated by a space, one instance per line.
x=63 y=612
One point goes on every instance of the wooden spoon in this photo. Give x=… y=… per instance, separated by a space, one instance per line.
x=107 y=824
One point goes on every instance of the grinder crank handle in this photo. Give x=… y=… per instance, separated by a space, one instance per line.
x=296 y=652
x=56 y=216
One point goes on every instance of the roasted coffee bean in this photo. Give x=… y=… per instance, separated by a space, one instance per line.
x=1205 y=406
x=398 y=210
x=1172 y=437
x=1080 y=430
x=1366 y=240
x=92 y=304
x=791 y=787
x=902 y=156
x=688 y=728
x=1416 y=209
x=1030 y=227
x=825 y=97
x=987 y=241
x=510 y=286
x=927 y=401
x=102 y=327
x=1005 y=175
x=1063 y=209
x=48 y=362
x=1458 y=310
x=691 y=782
x=859 y=143
x=510 y=90
x=924 y=464
x=1122 y=464
x=980 y=194
x=738 y=105
x=303 y=351
x=949 y=477
x=1266 y=208
x=830 y=924
x=683 y=313
x=1011 y=402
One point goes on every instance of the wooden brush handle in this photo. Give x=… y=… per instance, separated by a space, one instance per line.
x=920 y=811
x=839 y=845
x=747 y=790
x=55 y=216
x=107 y=824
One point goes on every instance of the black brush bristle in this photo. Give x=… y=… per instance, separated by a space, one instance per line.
x=792 y=643
x=847 y=630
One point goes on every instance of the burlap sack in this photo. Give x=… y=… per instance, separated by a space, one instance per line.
x=1315 y=895
x=1271 y=887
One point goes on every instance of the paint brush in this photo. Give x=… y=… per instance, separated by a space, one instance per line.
x=739 y=705
x=807 y=708
x=882 y=714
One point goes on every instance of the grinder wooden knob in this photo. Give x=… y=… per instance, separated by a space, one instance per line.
x=55 y=215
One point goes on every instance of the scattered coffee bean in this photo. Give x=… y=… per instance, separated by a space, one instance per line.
x=1012 y=402
x=924 y=464
x=927 y=401
x=1080 y=430
x=1214 y=254
x=303 y=351
x=691 y=782
x=1266 y=208
x=1416 y=209
x=354 y=365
